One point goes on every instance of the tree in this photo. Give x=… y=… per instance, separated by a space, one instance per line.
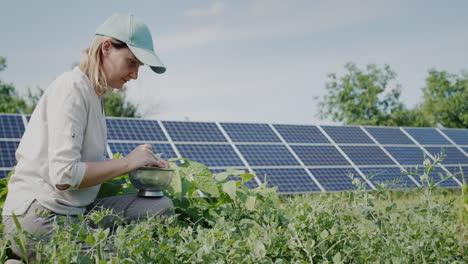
x=446 y=99
x=366 y=98
x=117 y=105
x=10 y=100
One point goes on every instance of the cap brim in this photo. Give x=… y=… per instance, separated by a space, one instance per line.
x=149 y=58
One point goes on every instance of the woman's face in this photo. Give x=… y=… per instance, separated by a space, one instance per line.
x=119 y=65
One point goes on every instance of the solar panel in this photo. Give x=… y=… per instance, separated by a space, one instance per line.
x=267 y=155
x=250 y=184
x=288 y=180
x=261 y=149
x=213 y=155
x=134 y=129
x=436 y=176
x=388 y=135
x=459 y=136
x=7 y=153
x=194 y=131
x=460 y=172
x=126 y=148
x=427 y=136
x=240 y=132
x=388 y=175
x=453 y=155
x=301 y=134
x=335 y=179
x=347 y=135
x=320 y=155
x=407 y=155
x=367 y=155
x=4 y=173
x=11 y=126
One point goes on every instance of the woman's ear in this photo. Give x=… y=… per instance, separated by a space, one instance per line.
x=106 y=47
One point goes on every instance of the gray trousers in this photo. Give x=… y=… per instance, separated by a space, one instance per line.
x=129 y=207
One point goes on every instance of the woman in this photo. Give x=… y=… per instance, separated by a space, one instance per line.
x=62 y=154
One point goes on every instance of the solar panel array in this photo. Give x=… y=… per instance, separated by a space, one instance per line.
x=296 y=158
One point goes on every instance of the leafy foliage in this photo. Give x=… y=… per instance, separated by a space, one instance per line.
x=446 y=99
x=425 y=225
x=201 y=197
x=116 y=105
x=366 y=98
x=10 y=101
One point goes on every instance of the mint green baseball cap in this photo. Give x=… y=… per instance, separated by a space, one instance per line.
x=133 y=32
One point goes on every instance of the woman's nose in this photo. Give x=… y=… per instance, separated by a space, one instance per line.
x=134 y=74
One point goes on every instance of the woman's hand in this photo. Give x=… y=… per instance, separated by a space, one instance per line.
x=143 y=156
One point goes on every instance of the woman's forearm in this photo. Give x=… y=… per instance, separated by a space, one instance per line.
x=99 y=172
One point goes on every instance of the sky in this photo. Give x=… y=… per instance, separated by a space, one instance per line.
x=242 y=61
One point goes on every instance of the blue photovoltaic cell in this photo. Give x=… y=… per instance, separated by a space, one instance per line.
x=250 y=184
x=465 y=149
x=407 y=155
x=267 y=155
x=388 y=135
x=347 y=135
x=11 y=126
x=367 y=155
x=385 y=175
x=453 y=155
x=288 y=180
x=435 y=176
x=427 y=136
x=194 y=131
x=335 y=179
x=211 y=155
x=134 y=129
x=459 y=136
x=241 y=132
x=4 y=173
x=301 y=134
x=7 y=153
x=458 y=172
x=126 y=148
x=319 y=155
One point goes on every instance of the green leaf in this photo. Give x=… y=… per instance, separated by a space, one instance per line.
x=117 y=156
x=203 y=178
x=221 y=176
x=324 y=234
x=259 y=249
x=90 y=240
x=175 y=187
x=250 y=202
x=230 y=188
x=247 y=177
x=337 y=258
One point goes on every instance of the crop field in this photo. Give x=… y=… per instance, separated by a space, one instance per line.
x=230 y=223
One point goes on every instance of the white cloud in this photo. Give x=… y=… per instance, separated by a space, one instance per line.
x=272 y=19
x=214 y=10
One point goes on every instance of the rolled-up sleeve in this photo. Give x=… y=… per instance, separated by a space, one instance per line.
x=67 y=121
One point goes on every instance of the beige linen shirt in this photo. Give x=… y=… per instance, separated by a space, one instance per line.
x=66 y=129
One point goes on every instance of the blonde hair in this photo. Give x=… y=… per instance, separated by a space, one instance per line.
x=91 y=63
